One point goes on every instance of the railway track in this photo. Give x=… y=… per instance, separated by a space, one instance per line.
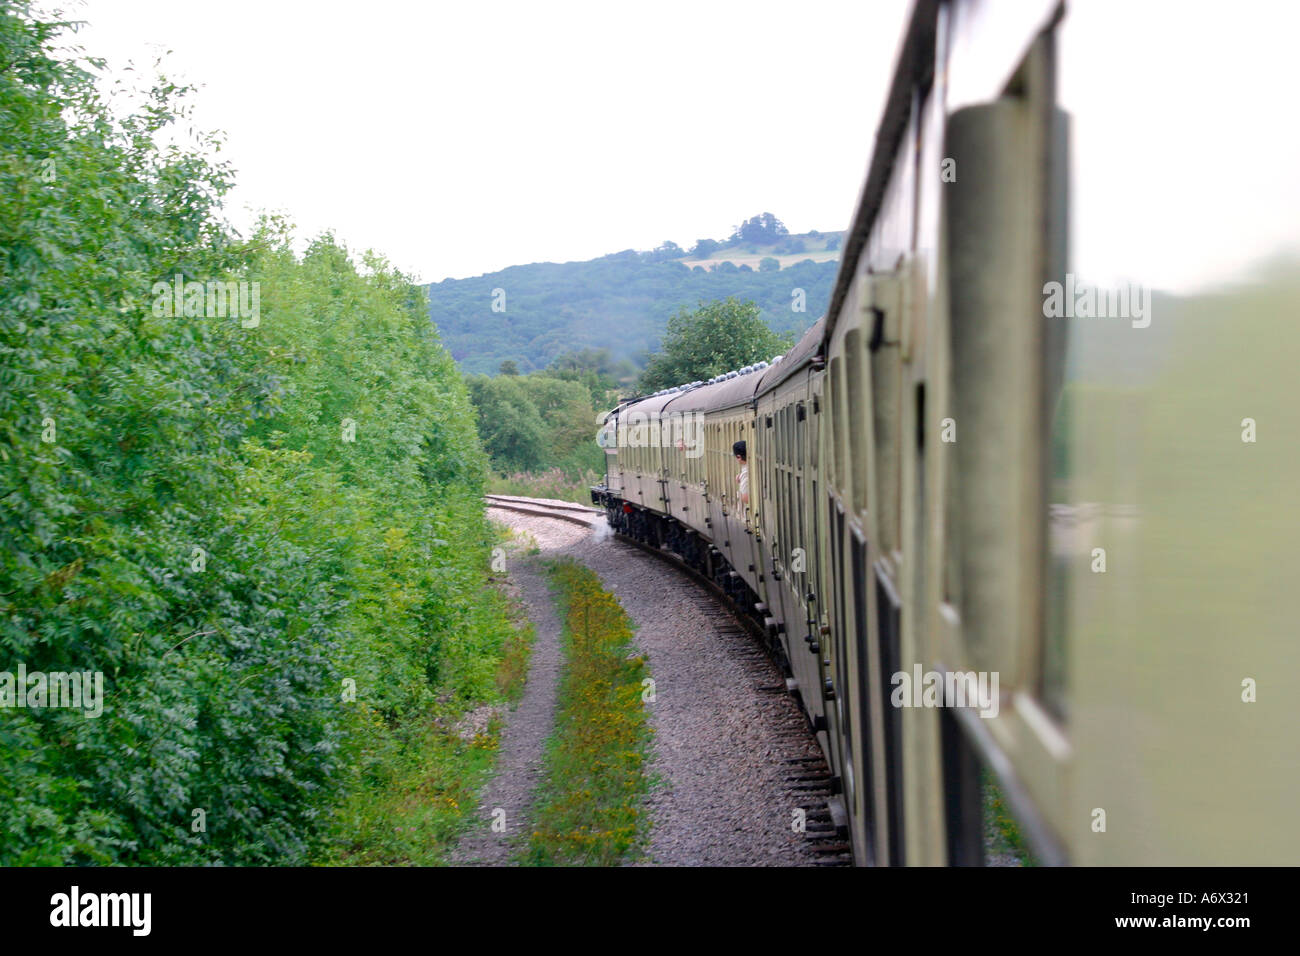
x=574 y=514
x=797 y=763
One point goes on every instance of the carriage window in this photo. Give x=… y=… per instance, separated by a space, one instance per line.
x=857 y=402
x=836 y=447
x=801 y=542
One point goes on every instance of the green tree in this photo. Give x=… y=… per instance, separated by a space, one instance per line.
x=534 y=422
x=509 y=424
x=594 y=368
x=667 y=251
x=763 y=228
x=704 y=248
x=769 y=264
x=717 y=337
x=596 y=360
x=508 y=367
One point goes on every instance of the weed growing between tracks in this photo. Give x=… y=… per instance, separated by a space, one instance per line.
x=588 y=805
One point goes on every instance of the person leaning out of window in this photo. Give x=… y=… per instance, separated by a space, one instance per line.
x=743 y=478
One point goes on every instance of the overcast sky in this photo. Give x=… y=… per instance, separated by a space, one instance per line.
x=459 y=138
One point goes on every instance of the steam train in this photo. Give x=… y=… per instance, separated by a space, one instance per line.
x=951 y=479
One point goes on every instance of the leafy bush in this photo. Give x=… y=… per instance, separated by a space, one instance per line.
x=183 y=515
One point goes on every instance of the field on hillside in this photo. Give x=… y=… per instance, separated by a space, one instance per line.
x=752 y=259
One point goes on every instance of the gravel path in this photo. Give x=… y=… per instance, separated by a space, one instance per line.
x=519 y=760
x=728 y=740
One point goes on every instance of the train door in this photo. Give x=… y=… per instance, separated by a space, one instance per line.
x=846 y=716
x=818 y=514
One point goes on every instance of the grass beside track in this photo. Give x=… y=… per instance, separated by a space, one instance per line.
x=588 y=809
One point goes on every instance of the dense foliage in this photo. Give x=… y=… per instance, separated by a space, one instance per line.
x=534 y=422
x=717 y=337
x=264 y=531
x=540 y=429
x=764 y=227
x=620 y=302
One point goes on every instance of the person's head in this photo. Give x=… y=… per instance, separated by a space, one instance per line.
x=738 y=449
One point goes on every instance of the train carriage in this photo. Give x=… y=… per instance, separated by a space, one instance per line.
x=942 y=467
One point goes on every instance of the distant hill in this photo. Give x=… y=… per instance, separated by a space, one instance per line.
x=623 y=301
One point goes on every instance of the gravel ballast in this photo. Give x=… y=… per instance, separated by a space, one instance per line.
x=726 y=734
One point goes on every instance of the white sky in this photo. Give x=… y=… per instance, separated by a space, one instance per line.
x=1185 y=147
x=459 y=138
